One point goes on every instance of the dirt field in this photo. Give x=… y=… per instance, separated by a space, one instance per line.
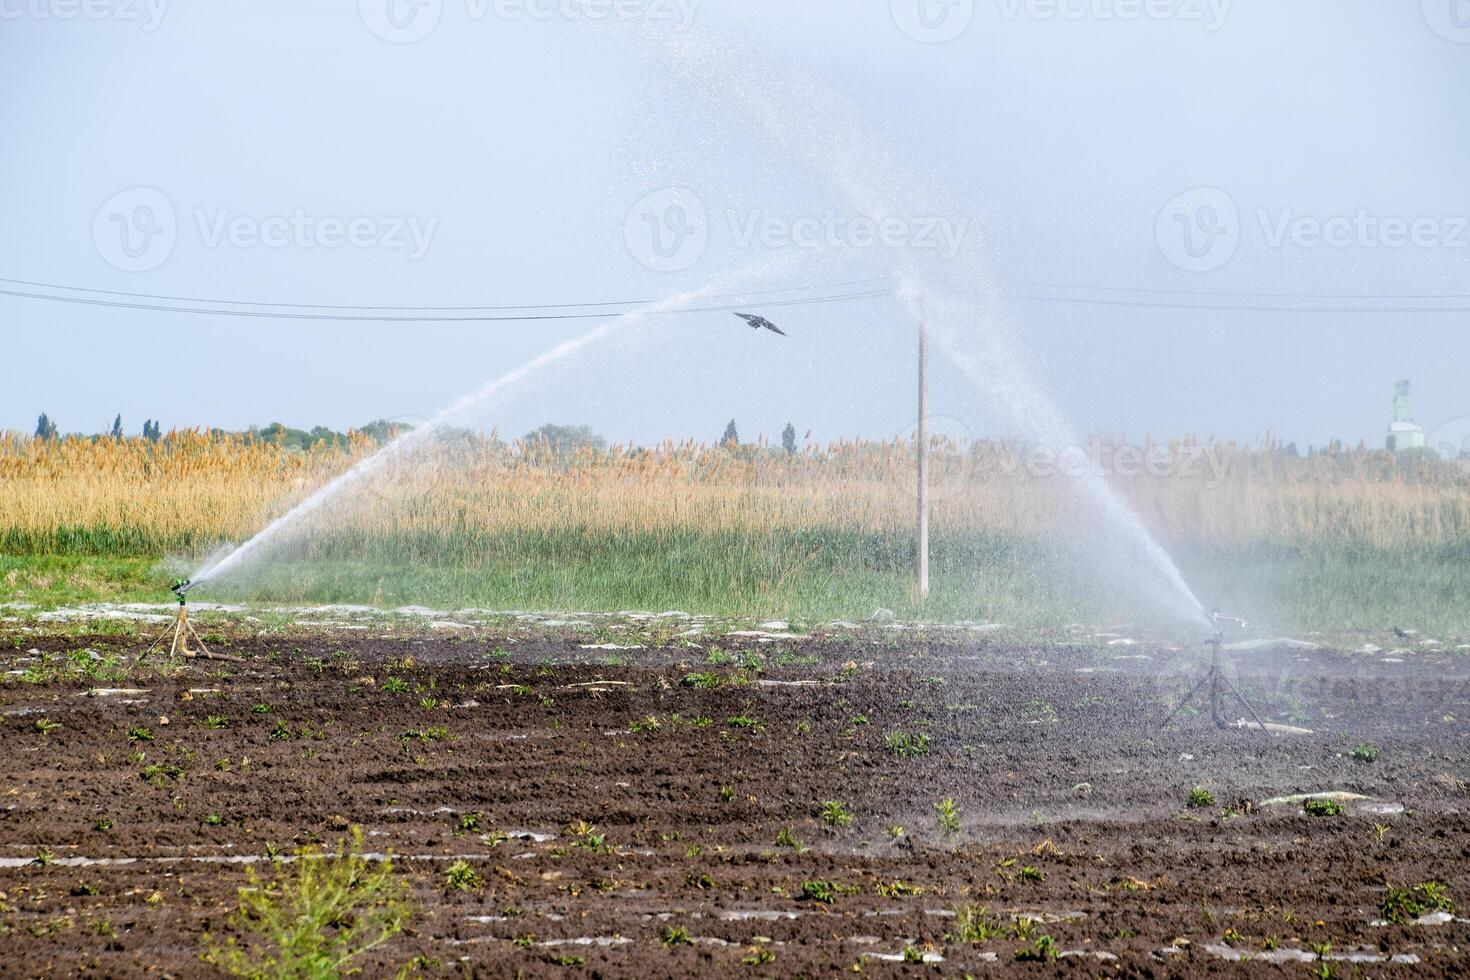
x=617 y=803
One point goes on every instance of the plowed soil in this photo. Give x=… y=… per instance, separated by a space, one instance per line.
x=623 y=808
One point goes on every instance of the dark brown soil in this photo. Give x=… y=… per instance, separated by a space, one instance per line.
x=1072 y=805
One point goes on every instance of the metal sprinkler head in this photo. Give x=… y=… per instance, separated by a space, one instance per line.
x=1214 y=679
x=1220 y=619
x=180 y=588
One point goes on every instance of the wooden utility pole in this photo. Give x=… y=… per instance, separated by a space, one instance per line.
x=922 y=447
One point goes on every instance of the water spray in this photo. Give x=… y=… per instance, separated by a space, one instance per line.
x=1215 y=677
x=403 y=445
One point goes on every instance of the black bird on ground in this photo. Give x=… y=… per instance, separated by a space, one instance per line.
x=760 y=323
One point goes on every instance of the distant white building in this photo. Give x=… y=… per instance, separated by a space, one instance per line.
x=1403 y=434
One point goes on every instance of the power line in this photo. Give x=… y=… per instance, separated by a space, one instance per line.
x=1247 y=294
x=1425 y=297
x=341 y=317
x=607 y=309
x=1243 y=308
x=403 y=309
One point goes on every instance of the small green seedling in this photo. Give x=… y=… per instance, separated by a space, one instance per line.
x=835 y=814
x=948 y=812
x=1365 y=752
x=1199 y=798
x=975 y=924
x=786 y=837
x=676 y=936
x=461 y=877
x=819 y=891
x=906 y=746
x=1043 y=949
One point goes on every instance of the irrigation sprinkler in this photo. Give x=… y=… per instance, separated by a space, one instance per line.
x=1215 y=678
x=178 y=634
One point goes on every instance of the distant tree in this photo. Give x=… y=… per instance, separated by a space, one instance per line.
x=564 y=441
x=117 y=432
x=381 y=430
x=45 y=428
x=788 y=439
x=731 y=436
x=150 y=430
x=299 y=440
x=572 y=436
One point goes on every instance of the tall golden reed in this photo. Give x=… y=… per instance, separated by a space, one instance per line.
x=193 y=489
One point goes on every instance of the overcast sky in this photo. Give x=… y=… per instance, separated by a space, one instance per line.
x=1312 y=155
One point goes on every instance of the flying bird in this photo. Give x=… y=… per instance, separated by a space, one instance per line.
x=760 y=323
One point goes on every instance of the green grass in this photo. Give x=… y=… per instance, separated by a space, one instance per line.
x=817 y=574
x=49 y=581
x=1337 y=587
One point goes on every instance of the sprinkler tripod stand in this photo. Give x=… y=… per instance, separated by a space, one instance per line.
x=1215 y=678
x=182 y=629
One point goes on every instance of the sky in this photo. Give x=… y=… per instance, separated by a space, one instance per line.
x=1170 y=161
